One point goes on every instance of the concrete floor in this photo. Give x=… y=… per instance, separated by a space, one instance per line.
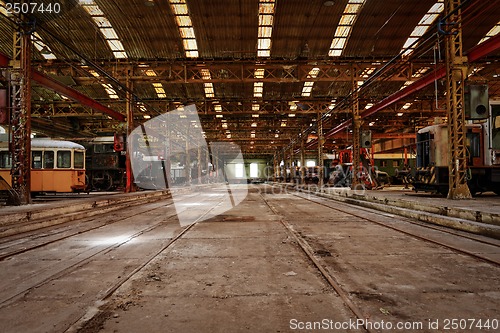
x=244 y=271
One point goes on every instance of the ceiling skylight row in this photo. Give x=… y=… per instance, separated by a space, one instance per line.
x=160 y=92
x=265 y=31
x=343 y=31
x=308 y=85
x=185 y=25
x=266 y=20
x=427 y=21
x=207 y=86
x=105 y=28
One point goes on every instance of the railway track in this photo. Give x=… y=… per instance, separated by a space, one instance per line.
x=80 y=324
x=323 y=268
x=35 y=218
x=417 y=233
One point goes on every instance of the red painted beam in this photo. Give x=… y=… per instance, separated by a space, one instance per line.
x=4 y=60
x=74 y=94
x=474 y=54
x=53 y=84
x=484 y=49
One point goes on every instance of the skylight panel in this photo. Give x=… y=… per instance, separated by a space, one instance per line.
x=259 y=73
x=352 y=8
x=105 y=28
x=42 y=47
x=425 y=23
x=187 y=32
x=266 y=20
x=192 y=54
x=109 y=33
x=493 y=32
x=183 y=21
x=180 y=9
x=343 y=31
x=205 y=74
x=265 y=32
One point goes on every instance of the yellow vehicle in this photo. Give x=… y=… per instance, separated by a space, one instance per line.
x=57 y=166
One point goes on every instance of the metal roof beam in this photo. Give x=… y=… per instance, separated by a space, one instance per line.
x=55 y=85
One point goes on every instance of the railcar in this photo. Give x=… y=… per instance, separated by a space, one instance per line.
x=105 y=163
x=57 y=166
x=396 y=165
x=483 y=156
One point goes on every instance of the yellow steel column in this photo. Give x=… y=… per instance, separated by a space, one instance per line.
x=456 y=73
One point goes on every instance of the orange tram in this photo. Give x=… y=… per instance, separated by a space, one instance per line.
x=57 y=166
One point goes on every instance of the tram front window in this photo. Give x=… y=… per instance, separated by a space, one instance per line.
x=79 y=160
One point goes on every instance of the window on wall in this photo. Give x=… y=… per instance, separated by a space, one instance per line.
x=64 y=159
x=254 y=170
x=239 y=170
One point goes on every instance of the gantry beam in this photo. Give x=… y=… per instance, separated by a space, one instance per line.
x=55 y=85
x=224 y=71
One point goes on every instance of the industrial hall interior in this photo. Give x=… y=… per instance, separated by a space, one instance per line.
x=249 y=166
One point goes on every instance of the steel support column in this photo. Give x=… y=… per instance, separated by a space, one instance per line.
x=21 y=114
x=356 y=124
x=292 y=165
x=321 y=141
x=456 y=73
x=302 y=161
x=130 y=187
